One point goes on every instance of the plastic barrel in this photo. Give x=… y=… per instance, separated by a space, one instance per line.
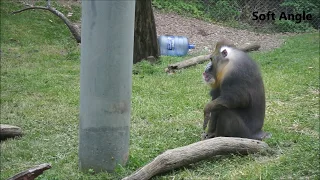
x=174 y=45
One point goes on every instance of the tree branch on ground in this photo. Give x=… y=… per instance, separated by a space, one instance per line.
x=72 y=27
x=9 y=131
x=200 y=59
x=182 y=156
x=32 y=173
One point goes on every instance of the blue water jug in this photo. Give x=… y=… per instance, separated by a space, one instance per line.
x=174 y=45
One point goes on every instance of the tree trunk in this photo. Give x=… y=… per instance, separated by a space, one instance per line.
x=145 y=34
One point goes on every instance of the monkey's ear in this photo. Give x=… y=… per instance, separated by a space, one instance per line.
x=224 y=53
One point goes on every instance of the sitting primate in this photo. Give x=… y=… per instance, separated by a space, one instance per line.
x=237 y=108
x=208 y=76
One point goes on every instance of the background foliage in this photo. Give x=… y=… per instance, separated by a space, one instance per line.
x=238 y=13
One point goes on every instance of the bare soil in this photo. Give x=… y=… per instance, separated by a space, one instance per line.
x=204 y=34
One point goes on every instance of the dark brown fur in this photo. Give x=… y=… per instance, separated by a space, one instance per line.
x=237 y=108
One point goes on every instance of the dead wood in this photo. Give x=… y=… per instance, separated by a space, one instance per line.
x=175 y=158
x=74 y=29
x=186 y=63
x=253 y=47
x=200 y=59
x=32 y=173
x=9 y=131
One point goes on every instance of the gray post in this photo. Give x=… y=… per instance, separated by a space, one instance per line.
x=105 y=83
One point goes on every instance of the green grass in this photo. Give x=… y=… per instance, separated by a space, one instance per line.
x=40 y=93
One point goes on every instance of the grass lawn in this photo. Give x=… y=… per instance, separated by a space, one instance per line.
x=40 y=93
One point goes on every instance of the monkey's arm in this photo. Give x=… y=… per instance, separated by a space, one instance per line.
x=215 y=105
x=235 y=100
x=210 y=106
x=214 y=93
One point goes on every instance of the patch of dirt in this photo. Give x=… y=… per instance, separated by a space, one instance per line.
x=204 y=34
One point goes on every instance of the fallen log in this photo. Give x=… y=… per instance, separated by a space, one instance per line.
x=9 y=131
x=200 y=59
x=249 y=48
x=175 y=158
x=32 y=173
x=186 y=63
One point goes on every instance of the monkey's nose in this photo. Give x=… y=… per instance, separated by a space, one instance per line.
x=205 y=75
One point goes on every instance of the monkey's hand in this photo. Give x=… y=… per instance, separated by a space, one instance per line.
x=217 y=104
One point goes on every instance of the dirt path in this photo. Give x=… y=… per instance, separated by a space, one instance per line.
x=204 y=34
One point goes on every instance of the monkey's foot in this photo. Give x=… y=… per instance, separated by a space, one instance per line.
x=262 y=135
x=266 y=135
x=205 y=136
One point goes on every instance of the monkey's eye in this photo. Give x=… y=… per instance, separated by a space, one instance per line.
x=224 y=53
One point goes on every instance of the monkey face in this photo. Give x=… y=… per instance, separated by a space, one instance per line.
x=215 y=66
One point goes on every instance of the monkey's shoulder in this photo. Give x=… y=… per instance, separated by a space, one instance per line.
x=240 y=82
